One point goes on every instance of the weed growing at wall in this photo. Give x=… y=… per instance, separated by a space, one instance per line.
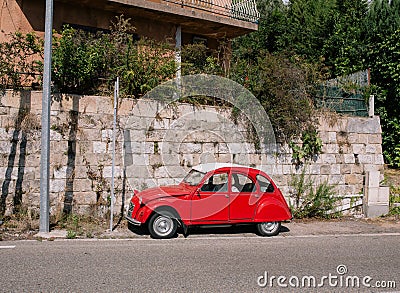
x=312 y=201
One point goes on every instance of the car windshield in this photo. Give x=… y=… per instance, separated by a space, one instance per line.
x=194 y=177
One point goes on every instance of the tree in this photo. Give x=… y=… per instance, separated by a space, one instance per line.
x=310 y=24
x=385 y=74
x=345 y=50
x=272 y=26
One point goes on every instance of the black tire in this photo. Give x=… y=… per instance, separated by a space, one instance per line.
x=269 y=228
x=163 y=225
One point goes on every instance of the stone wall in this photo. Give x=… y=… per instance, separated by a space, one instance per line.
x=156 y=144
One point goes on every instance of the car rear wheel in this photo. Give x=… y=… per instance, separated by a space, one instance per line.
x=269 y=228
x=163 y=225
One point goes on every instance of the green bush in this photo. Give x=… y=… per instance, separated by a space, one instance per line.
x=309 y=201
x=21 y=63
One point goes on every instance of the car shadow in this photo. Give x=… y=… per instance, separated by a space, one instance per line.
x=211 y=230
x=233 y=230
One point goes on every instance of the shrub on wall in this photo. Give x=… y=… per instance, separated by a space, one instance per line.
x=21 y=63
x=88 y=63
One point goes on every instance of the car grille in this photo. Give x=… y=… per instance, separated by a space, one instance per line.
x=131 y=208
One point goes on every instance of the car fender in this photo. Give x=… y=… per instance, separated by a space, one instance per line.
x=174 y=205
x=272 y=208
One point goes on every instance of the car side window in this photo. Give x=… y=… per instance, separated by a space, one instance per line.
x=242 y=183
x=216 y=183
x=265 y=184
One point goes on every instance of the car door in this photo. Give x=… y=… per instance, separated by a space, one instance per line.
x=243 y=196
x=210 y=203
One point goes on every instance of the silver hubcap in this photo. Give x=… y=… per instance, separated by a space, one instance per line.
x=269 y=226
x=163 y=225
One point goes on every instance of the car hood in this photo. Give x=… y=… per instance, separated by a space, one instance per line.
x=165 y=191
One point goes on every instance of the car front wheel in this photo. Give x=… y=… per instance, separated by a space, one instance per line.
x=269 y=228
x=163 y=225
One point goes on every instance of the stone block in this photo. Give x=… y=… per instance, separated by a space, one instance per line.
x=371 y=167
x=358 y=148
x=353 y=138
x=336 y=179
x=204 y=159
x=236 y=148
x=167 y=181
x=375 y=139
x=330 y=148
x=169 y=148
x=161 y=124
x=315 y=169
x=372 y=179
x=223 y=148
x=107 y=171
x=366 y=159
x=88 y=104
x=125 y=106
x=140 y=159
x=161 y=172
x=326 y=169
x=100 y=147
x=378 y=159
x=82 y=185
x=364 y=125
x=375 y=210
x=60 y=172
x=349 y=159
x=209 y=148
x=136 y=123
x=241 y=159
x=353 y=179
x=57 y=185
x=332 y=137
x=345 y=169
x=175 y=171
x=335 y=169
x=328 y=158
x=84 y=198
x=160 y=135
x=224 y=158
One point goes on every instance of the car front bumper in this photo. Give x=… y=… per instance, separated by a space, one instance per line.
x=133 y=221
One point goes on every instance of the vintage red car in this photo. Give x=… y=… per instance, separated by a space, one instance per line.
x=211 y=194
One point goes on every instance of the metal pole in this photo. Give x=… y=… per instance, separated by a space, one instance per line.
x=44 y=225
x=116 y=94
x=178 y=52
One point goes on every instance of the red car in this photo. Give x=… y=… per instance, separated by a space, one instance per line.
x=211 y=194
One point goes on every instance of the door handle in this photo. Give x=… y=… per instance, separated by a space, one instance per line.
x=227 y=196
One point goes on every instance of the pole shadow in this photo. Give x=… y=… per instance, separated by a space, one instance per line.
x=24 y=110
x=71 y=153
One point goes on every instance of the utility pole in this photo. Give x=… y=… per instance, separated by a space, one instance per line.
x=44 y=226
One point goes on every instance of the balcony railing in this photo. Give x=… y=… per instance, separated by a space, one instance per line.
x=245 y=10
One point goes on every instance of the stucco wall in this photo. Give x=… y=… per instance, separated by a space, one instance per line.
x=155 y=149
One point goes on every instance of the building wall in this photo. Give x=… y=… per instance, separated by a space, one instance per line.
x=28 y=16
x=156 y=149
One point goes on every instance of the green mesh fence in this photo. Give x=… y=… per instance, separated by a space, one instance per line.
x=338 y=100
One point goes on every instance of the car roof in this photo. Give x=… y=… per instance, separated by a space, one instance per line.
x=214 y=166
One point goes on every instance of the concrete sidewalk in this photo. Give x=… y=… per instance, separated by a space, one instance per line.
x=300 y=228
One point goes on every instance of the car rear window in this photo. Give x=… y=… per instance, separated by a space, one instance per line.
x=265 y=184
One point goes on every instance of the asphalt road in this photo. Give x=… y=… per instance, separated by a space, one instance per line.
x=224 y=263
